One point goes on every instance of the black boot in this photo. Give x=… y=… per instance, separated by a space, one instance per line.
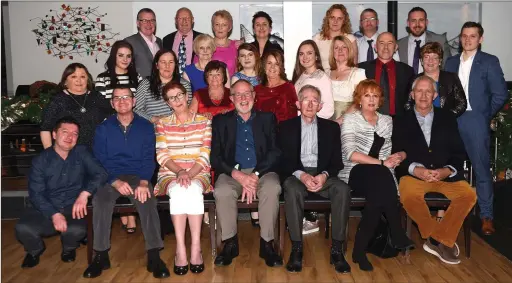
x=30 y=261
x=229 y=252
x=99 y=263
x=156 y=265
x=268 y=253
x=295 y=261
x=337 y=258
x=68 y=256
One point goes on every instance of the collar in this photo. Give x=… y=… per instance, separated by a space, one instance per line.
x=422 y=37
x=188 y=34
x=152 y=39
x=430 y=113
x=240 y=119
x=303 y=123
x=374 y=37
x=174 y=119
x=390 y=63
x=470 y=59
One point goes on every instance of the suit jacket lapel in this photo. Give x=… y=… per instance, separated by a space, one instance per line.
x=434 y=131
x=231 y=126
x=146 y=47
x=297 y=139
x=474 y=73
x=415 y=126
x=257 y=133
x=322 y=143
x=428 y=36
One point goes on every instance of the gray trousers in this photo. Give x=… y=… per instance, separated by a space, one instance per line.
x=334 y=189
x=228 y=191
x=103 y=208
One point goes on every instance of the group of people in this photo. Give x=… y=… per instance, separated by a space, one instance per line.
x=350 y=122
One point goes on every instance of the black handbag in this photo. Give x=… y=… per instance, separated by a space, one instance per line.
x=380 y=244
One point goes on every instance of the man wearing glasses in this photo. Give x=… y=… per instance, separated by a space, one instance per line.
x=145 y=43
x=125 y=145
x=182 y=40
x=244 y=156
x=310 y=162
x=368 y=25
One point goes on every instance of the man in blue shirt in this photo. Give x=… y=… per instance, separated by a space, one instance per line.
x=62 y=178
x=125 y=145
x=244 y=156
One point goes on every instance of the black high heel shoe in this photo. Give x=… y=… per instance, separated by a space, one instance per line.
x=402 y=244
x=197 y=268
x=180 y=270
x=362 y=260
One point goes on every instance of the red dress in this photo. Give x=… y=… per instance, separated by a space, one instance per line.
x=279 y=100
x=206 y=104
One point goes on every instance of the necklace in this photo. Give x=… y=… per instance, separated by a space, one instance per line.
x=82 y=107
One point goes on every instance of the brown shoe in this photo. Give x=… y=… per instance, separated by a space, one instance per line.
x=444 y=253
x=487 y=226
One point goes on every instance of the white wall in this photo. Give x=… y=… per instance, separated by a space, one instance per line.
x=297 y=28
x=497 y=23
x=31 y=63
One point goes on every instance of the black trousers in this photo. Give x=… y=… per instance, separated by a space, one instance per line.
x=336 y=190
x=33 y=226
x=377 y=185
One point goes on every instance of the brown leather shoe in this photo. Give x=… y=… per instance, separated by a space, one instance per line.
x=487 y=226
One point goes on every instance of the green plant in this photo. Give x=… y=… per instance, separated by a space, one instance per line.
x=503 y=133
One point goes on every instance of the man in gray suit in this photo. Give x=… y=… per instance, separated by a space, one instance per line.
x=409 y=46
x=145 y=43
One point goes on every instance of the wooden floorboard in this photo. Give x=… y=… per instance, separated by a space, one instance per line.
x=128 y=260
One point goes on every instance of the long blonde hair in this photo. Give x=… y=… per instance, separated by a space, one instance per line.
x=346 y=28
x=350 y=59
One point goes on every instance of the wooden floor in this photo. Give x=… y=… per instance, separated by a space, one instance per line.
x=128 y=262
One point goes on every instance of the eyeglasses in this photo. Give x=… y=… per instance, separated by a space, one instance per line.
x=243 y=95
x=121 y=98
x=176 y=97
x=145 y=21
x=368 y=20
x=314 y=102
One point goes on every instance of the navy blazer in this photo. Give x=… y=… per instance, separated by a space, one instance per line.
x=264 y=128
x=329 y=147
x=487 y=87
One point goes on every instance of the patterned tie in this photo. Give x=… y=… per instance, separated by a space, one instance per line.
x=384 y=84
x=416 y=58
x=369 y=53
x=182 y=55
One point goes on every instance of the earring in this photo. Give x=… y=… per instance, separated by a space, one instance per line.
x=360 y=105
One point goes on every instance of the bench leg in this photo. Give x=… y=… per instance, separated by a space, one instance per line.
x=327 y=224
x=211 y=216
x=467 y=235
x=282 y=224
x=90 y=235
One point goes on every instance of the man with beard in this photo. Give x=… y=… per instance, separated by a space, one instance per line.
x=409 y=46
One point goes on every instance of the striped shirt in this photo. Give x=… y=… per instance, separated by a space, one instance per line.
x=185 y=144
x=148 y=107
x=357 y=136
x=104 y=86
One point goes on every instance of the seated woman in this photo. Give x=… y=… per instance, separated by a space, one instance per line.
x=183 y=142
x=214 y=98
x=369 y=168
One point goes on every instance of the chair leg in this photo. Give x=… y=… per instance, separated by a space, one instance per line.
x=467 y=235
x=327 y=224
x=282 y=224
x=408 y=230
x=90 y=235
x=211 y=216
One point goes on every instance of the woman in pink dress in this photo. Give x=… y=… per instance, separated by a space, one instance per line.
x=222 y=26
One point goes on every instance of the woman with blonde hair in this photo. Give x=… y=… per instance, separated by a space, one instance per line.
x=336 y=22
x=344 y=75
x=226 y=49
x=204 y=47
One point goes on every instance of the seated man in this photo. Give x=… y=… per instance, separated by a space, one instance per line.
x=62 y=177
x=125 y=145
x=244 y=156
x=435 y=155
x=311 y=160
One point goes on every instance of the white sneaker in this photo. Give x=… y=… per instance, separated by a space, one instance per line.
x=309 y=227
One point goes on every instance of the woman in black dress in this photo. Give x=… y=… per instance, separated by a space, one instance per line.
x=79 y=100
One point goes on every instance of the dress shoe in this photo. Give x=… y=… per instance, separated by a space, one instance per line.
x=337 y=259
x=295 y=261
x=30 y=261
x=68 y=256
x=229 y=252
x=180 y=270
x=364 y=263
x=255 y=222
x=197 y=268
x=268 y=253
x=158 y=268
x=99 y=263
x=487 y=226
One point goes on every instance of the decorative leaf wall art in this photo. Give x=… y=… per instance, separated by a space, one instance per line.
x=74 y=31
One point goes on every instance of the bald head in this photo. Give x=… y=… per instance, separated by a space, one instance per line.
x=385 y=46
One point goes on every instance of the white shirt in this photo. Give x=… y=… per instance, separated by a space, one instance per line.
x=152 y=45
x=362 y=46
x=412 y=46
x=464 y=71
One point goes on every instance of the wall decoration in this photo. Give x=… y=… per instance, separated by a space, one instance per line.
x=275 y=11
x=74 y=31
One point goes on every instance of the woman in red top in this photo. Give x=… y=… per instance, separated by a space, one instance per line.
x=275 y=93
x=214 y=98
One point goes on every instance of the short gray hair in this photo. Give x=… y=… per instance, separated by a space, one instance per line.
x=309 y=87
x=231 y=90
x=424 y=78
